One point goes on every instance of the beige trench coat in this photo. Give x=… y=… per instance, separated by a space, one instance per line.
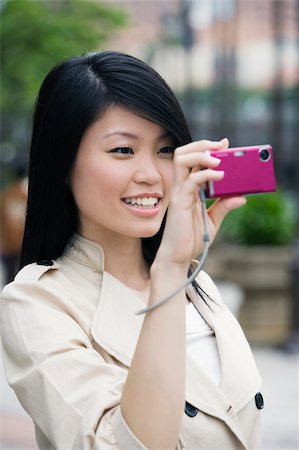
x=69 y=332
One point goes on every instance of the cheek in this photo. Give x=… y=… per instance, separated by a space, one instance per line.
x=93 y=183
x=84 y=182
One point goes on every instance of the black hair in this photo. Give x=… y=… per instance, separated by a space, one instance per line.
x=74 y=95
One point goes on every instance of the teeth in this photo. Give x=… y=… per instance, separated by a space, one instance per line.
x=142 y=201
x=151 y=201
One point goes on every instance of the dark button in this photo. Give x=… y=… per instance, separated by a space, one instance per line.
x=259 y=401
x=190 y=410
x=45 y=262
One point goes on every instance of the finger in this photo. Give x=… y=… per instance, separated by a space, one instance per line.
x=196 y=159
x=189 y=188
x=202 y=146
x=192 y=162
x=197 y=179
x=221 y=207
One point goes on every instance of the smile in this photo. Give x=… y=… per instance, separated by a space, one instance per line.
x=141 y=202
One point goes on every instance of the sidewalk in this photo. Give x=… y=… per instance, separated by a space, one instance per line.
x=280 y=373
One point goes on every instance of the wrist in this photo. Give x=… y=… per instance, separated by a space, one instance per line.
x=166 y=258
x=167 y=269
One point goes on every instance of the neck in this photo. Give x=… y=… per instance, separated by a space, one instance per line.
x=126 y=261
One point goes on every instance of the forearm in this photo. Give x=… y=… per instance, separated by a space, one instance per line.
x=153 y=397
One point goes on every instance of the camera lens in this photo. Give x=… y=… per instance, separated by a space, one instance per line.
x=264 y=155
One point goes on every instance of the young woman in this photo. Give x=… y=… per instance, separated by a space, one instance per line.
x=113 y=223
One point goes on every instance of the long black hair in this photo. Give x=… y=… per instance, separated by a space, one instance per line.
x=72 y=97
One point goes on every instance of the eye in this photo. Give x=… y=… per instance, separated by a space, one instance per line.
x=122 y=151
x=166 y=151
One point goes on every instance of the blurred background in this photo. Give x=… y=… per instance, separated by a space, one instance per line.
x=234 y=65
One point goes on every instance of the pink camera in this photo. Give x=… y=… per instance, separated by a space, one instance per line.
x=247 y=170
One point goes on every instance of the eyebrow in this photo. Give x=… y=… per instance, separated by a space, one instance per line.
x=164 y=135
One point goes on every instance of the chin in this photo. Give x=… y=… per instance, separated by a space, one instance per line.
x=146 y=233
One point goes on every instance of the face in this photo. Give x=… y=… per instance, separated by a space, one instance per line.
x=122 y=176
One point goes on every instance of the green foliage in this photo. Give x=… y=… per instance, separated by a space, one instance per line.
x=266 y=219
x=36 y=34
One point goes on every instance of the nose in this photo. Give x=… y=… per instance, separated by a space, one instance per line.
x=147 y=172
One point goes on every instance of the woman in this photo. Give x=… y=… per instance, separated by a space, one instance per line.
x=111 y=154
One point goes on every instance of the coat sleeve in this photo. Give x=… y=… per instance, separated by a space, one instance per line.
x=71 y=393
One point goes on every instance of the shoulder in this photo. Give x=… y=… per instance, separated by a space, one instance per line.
x=48 y=288
x=34 y=271
x=35 y=281
x=39 y=298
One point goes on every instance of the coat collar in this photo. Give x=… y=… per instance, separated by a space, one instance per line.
x=116 y=327
x=85 y=252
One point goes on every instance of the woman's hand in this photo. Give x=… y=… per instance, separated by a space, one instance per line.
x=183 y=235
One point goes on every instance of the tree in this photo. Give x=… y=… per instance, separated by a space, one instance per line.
x=35 y=35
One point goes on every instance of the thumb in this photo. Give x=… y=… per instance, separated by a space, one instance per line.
x=222 y=206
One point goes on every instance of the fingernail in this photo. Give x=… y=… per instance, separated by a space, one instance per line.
x=216 y=160
x=224 y=140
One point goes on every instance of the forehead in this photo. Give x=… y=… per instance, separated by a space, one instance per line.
x=118 y=121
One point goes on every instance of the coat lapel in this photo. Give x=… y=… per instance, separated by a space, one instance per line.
x=202 y=393
x=116 y=328
x=240 y=378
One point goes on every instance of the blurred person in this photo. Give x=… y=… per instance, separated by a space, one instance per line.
x=12 y=218
x=113 y=224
